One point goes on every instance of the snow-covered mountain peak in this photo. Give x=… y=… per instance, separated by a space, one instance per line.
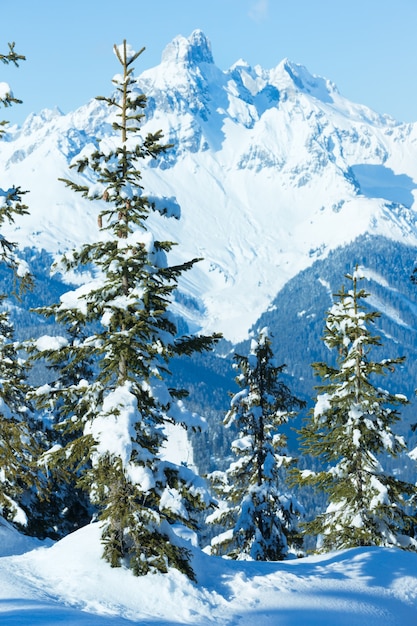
x=289 y=75
x=189 y=51
x=271 y=168
x=39 y=119
x=240 y=64
x=34 y=122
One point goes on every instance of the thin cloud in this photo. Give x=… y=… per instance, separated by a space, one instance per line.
x=259 y=10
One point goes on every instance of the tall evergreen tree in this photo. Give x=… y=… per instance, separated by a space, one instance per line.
x=350 y=431
x=258 y=512
x=110 y=395
x=17 y=441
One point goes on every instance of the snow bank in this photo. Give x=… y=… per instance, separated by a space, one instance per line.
x=69 y=583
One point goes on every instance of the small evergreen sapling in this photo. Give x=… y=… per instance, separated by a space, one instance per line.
x=110 y=396
x=350 y=430
x=259 y=513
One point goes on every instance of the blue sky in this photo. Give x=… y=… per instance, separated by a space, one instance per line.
x=367 y=47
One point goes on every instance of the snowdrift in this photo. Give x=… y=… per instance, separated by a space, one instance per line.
x=68 y=583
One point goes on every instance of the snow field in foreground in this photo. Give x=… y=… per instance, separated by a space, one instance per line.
x=68 y=583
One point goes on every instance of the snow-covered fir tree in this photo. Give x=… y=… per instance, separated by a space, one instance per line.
x=6 y=94
x=110 y=394
x=350 y=431
x=18 y=446
x=63 y=506
x=11 y=199
x=259 y=513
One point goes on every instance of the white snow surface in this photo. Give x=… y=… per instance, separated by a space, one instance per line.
x=5 y=90
x=271 y=169
x=68 y=583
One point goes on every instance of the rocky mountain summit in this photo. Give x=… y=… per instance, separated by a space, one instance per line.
x=272 y=169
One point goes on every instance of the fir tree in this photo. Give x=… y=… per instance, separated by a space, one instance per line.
x=17 y=442
x=6 y=95
x=18 y=445
x=11 y=199
x=350 y=431
x=110 y=395
x=257 y=510
x=63 y=506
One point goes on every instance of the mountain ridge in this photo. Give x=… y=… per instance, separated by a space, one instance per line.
x=272 y=170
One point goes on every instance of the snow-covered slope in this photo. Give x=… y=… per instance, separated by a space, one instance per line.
x=69 y=583
x=272 y=169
